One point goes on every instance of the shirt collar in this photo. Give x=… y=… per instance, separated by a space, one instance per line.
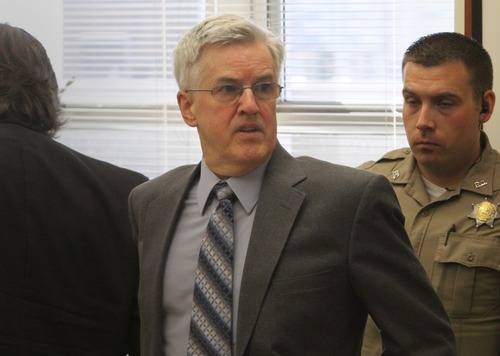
x=246 y=188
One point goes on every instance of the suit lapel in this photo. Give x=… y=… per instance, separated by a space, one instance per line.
x=279 y=203
x=159 y=226
x=161 y=219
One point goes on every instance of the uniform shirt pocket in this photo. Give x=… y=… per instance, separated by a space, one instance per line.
x=467 y=274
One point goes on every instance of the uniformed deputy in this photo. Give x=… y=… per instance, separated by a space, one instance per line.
x=448 y=185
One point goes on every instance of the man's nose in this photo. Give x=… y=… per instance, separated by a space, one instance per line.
x=425 y=119
x=248 y=102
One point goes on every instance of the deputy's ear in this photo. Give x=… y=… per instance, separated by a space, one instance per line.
x=185 y=102
x=488 y=104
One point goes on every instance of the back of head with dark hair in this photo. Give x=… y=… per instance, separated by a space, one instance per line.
x=445 y=47
x=29 y=94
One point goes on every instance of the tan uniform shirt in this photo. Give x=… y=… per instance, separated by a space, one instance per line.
x=457 y=246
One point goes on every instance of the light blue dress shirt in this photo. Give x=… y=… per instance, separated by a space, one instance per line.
x=182 y=259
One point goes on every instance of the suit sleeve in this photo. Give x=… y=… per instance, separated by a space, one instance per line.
x=390 y=280
x=132 y=219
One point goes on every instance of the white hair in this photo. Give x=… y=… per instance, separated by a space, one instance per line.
x=221 y=30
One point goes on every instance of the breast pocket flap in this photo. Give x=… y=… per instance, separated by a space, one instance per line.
x=469 y=250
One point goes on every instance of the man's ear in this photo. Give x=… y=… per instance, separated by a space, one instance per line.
x=487 y=106
x=185 y=102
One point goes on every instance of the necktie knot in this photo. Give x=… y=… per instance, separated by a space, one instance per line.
x=223 y=191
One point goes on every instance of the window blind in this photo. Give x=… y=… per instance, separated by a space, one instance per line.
x=341 y=77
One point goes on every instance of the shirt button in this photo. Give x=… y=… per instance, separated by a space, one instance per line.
x=425 y=213
x=470 y=257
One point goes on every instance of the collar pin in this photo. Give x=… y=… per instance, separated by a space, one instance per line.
x=480 y=184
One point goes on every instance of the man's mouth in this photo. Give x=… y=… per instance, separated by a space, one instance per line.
x=249 y=129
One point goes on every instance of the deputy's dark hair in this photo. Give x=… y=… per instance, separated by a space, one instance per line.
x=445 y=47
x=29 y=93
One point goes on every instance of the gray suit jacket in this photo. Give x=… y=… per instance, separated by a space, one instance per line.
x=327 y=247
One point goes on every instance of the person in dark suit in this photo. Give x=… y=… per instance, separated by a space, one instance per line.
x=317 y=246
x=68 y=264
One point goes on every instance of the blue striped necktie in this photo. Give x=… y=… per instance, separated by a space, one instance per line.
x=210 y=330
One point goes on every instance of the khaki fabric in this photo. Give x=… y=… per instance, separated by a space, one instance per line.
x=461 y=259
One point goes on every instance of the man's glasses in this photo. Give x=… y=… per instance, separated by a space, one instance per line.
x=230 y=93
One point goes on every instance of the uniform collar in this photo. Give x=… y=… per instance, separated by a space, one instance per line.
x=479 y=179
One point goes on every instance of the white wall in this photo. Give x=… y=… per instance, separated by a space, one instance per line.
x=41 y=18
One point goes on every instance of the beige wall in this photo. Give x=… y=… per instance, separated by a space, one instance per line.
x=459 y=16
x=491 y=14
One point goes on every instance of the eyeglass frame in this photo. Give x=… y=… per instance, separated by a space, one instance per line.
x=239 y=92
